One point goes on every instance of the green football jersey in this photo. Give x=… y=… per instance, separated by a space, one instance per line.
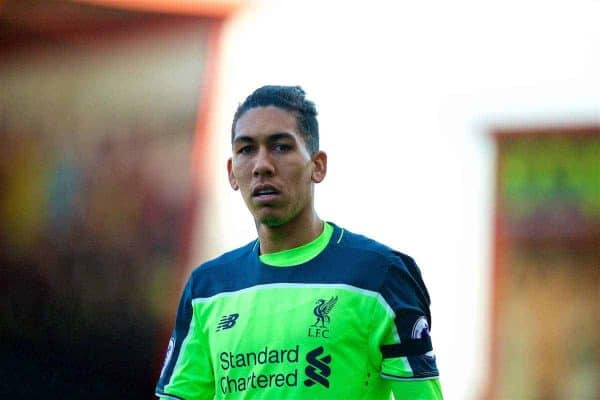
x=339 y=318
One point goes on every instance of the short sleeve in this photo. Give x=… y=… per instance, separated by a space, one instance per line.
x=187 y=370
x=404 y=337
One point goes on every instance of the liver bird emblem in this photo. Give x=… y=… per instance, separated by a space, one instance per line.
x=322 y=310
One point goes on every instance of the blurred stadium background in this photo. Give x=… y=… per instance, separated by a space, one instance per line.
x=466 y=134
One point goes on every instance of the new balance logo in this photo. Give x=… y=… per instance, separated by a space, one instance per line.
x=318 y=368
x=227 y=321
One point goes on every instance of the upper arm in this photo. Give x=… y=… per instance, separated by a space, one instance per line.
x=187 y=370
x=429 y=389
x=404 y=341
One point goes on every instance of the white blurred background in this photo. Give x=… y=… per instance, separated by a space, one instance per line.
x=408 y=95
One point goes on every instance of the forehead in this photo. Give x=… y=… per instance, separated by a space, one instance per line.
x=262 y=122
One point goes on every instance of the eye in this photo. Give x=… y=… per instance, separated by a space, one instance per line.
x=282 y=148
x=245 y=150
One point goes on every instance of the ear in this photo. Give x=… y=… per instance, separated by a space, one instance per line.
x=319 y=160
x=232 y=180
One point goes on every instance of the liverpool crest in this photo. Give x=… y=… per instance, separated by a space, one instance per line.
x=321 y=312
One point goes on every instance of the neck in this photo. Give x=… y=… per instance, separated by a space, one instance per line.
x=289 y=235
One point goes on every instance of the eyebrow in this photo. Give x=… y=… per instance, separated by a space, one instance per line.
x=271 y=138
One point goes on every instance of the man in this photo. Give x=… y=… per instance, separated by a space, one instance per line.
x=309 y=310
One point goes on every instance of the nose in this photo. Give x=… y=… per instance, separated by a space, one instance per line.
x=263 y=165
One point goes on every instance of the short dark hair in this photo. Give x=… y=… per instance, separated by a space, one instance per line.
x=290 y=98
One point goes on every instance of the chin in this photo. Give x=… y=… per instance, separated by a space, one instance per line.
x=269 y=219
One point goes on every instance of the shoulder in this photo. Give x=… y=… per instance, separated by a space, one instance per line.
x=220 y=273
x=231 y=257
x=357 y=245
x=400 y=281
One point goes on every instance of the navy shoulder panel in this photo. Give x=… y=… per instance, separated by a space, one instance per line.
x=399 y=276
x=223 y=273
x=230 y=257
x=354 y=241
x=368 y=259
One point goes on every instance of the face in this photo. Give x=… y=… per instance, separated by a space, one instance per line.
x=272 y=167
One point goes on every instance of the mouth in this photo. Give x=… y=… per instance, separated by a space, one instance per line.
x=265 y=193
